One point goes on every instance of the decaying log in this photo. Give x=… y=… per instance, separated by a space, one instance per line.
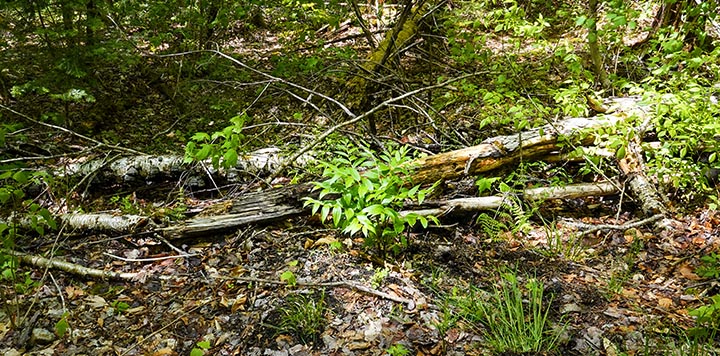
x=93 y=221
x=534 y=194
x=254 y=208
x=500 y=151
x=144 y=169
x=69 y=267
x=282 y=203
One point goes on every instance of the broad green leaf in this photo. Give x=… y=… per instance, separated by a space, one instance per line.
x=423 y=222
x=230 y=158
x=5 y=195
x=337 y=213
x=21 y=177
x=200 y=136
x=375 y=209
x=205 y=345
x=48 y=218
x=204 y=152
x=353 y=227
x=289 y=278
x=61 y=327
x=620 y=152
x=413 y=191
x=411 y=219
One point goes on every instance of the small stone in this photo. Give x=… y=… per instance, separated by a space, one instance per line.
x=329 y=342
x=569 y=308
x=41 y=336
x=12 y=352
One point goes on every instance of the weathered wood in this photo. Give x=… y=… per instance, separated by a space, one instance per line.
x=146 y=169
x=543 y=193
x=282 y=203
x=500 y=151
x=254 y=208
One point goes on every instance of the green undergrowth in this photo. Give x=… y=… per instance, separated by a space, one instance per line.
x=513 y=315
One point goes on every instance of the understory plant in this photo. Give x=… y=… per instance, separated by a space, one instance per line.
x=21 y=212
x=363 y=193
x=303 y=316
x=511 y=315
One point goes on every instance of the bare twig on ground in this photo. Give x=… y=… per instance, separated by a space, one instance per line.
x=622 y=227
x=150 y=259
x=346 y=284
x=60 y=128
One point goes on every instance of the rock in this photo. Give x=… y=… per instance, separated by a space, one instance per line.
x=373 y=329
x=12 y=352
x=41 y=336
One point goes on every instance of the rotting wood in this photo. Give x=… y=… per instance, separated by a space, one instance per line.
x=96 y=221
x=497 y=201
x=70 y=267
x=257 y=207
x=264 y=207
x=500 y=151
x=144 y=169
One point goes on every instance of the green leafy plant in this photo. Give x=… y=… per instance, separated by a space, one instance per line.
x=710 y=267
x=364 y=193
x=127 y=204
x=222 y=147
x=303 y=316
x=288 y=276
x=62 y=326
x=707 y=319
x=378 y=277
x=120 y=306
x=397 y=350
x=201 y=348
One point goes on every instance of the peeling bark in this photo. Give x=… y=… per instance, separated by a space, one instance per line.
x=145 y=169
x=500 y=151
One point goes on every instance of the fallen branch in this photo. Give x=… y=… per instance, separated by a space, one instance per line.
x=590 y=228
x=346 y=284
x=542 y=193
x=69 y=267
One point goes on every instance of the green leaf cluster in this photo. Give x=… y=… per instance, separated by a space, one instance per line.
x=363 y=193
x=221 y=147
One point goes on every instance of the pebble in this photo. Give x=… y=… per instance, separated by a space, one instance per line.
x=41 y=336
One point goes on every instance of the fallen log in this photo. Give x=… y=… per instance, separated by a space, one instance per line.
x=581 y=190
x=148 y=169
x=282 y=203
x=500 y=151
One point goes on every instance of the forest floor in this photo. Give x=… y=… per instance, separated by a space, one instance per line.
x=610 y=292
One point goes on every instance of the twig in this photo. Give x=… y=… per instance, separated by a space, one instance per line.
x=165 y=241
x=150 y=337
x=60 y=128
x=592 y=227
x=69 y=266
x=347 y=284
x=355 y=119
x=150 y=259
x=60 y=292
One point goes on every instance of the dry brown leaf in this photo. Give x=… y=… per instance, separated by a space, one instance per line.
x=666 y=303
x=165 y=351
x=687 y=272
x=324 y=241
x=631 y=293
x=73 y=292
